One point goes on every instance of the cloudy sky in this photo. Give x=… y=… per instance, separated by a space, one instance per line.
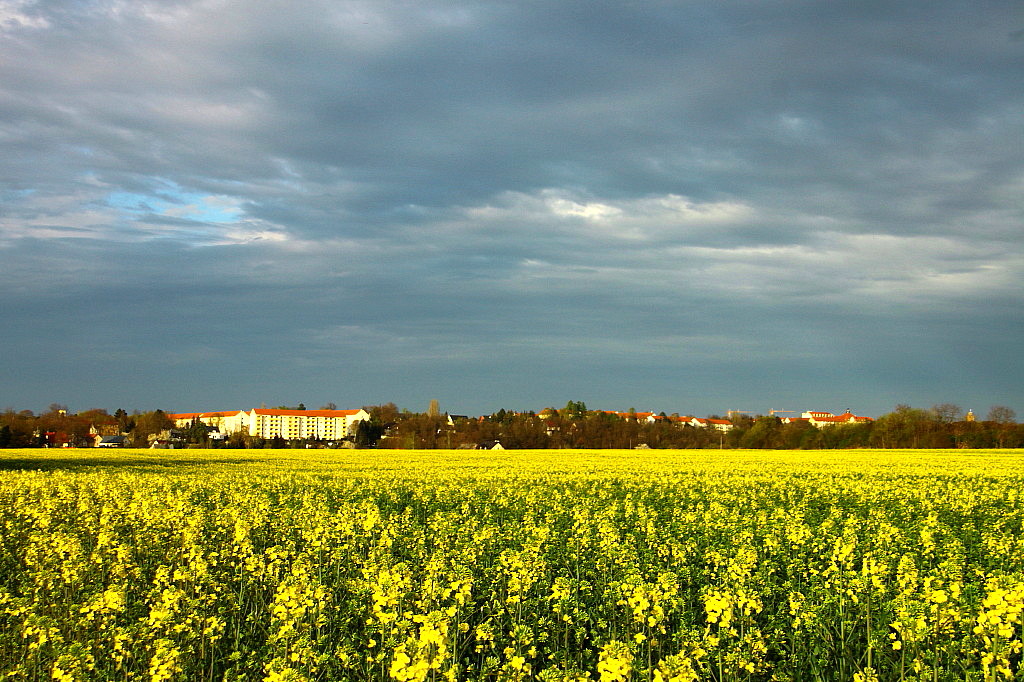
x=675 y=206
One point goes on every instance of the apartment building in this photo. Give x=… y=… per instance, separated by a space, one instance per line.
x=277 y=423
x=214 y=419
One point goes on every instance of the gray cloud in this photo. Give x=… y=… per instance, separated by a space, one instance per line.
x=208 y=203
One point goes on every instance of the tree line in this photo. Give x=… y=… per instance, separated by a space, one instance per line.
x=57 y=427
x=574 y=426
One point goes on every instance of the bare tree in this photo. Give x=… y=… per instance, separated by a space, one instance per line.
x=1001 y=415
x=947 y=413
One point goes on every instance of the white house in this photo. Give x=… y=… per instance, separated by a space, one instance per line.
x=700 y=422
x=821 y=419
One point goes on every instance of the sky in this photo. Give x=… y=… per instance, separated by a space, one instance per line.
x=681 y=207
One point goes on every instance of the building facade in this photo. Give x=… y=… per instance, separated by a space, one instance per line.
x=214 y=419
x=275 y=423
x=821 y=419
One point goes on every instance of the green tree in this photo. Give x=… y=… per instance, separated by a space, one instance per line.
x=20 y=426
x=197 y=433
x=763 y=434
x=125 y=422
x=369 y=432
x=907 y=427
x=574 y=410
x=148 y=424
x=846 y=436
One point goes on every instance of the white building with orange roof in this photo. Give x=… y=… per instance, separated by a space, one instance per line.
x=820 y=419
x=700 y=422
x=184 y=420
x=279 y=423
x=298 y=424
x=648 y=417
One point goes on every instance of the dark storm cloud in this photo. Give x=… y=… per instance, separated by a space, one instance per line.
x=491 y=202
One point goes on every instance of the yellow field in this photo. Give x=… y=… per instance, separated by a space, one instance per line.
x=513 y=565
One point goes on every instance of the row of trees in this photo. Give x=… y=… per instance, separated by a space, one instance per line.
x=56 y=427
x=574 y=426
x=942 y=426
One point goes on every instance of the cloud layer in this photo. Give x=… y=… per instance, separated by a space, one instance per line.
x=670 y=206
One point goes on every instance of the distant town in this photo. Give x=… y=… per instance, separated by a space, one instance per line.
x=572 y=426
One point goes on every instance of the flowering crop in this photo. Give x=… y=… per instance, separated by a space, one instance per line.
x=520 y=565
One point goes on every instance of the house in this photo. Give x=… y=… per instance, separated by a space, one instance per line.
x=719 y=424
x=821 y=419
x=635 y=416
x=168 y=439
x=642 y=417
x=98 y=431
x=639 y=417
x=112 y=442
x=56 y=439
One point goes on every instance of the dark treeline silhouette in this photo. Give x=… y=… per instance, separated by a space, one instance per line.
x=574 y=426
x=942 y=426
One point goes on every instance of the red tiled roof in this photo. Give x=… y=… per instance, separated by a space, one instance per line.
x=839 y=419
x=193 y=415
x=630 y=415
x=847 y=416
x=268 y=412
x=304 y=413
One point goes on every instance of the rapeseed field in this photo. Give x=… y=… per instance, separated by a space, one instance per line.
x=547 y=565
